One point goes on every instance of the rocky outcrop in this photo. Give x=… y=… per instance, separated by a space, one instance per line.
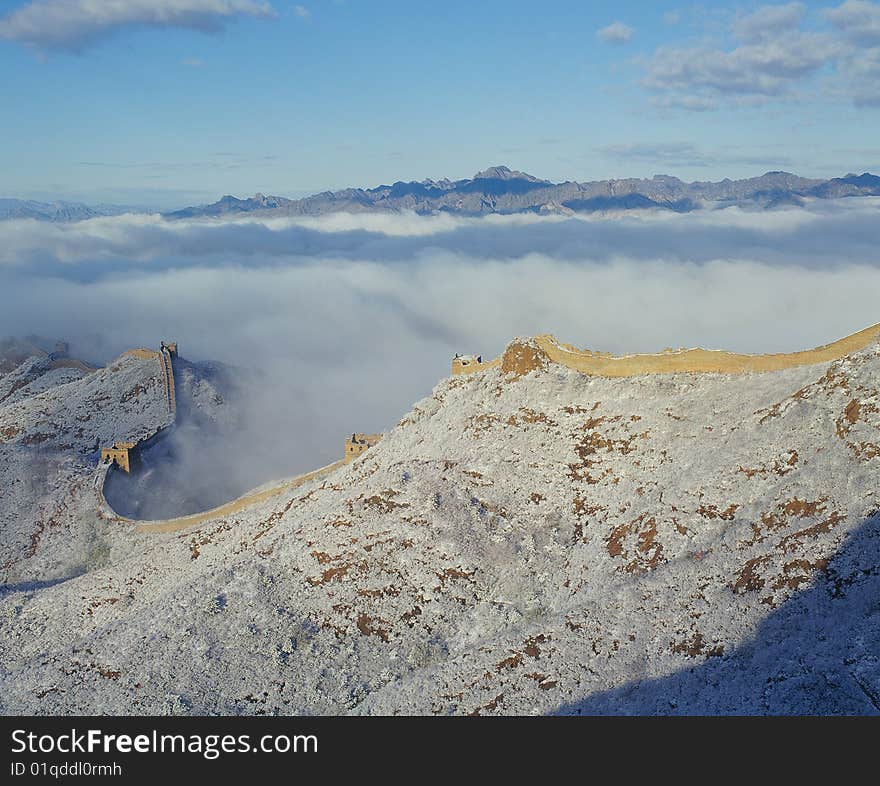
x=523 y=356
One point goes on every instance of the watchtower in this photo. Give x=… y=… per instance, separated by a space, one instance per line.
x=358 y=443
x=119 y=454
x=170 y=347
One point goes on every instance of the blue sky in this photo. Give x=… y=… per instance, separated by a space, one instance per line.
x=169 y=102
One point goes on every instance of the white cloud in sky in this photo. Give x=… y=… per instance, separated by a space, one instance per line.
x=766 y=68
x=859 y=23
x=859 y=20
x=768 y=21
x=74 y=24
x=615 y=33
x=302 y=12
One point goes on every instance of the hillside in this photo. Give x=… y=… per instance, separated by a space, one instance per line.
x=52 y=423
x=56 y=414
x=528 y=539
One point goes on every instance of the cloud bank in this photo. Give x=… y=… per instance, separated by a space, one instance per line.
x=826 y=233
x=76 y=24
x=346 y=320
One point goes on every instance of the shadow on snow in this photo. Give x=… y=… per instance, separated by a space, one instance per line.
x=817 y=653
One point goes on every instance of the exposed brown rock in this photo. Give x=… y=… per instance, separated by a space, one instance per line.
x=521 y=358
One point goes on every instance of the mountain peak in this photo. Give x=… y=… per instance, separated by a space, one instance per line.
x=504 y=173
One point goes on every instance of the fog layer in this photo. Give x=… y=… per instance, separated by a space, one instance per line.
x=342 y=322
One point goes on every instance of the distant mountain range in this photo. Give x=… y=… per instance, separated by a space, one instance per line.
x=55 y=211
x=503 y=190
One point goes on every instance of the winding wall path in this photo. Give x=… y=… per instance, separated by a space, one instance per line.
x=182 y=522
x=236 y=505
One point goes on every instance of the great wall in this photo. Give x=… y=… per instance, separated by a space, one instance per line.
x=524 y=356
x=241 y=503
x=122 y=455
x=520 y=358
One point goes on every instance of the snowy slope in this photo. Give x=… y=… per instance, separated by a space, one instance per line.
x=52 y=423
x=551 y=542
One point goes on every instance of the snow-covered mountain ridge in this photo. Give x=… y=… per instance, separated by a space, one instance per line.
x=528 y=539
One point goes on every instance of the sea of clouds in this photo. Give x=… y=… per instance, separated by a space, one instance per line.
x=348 y=319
